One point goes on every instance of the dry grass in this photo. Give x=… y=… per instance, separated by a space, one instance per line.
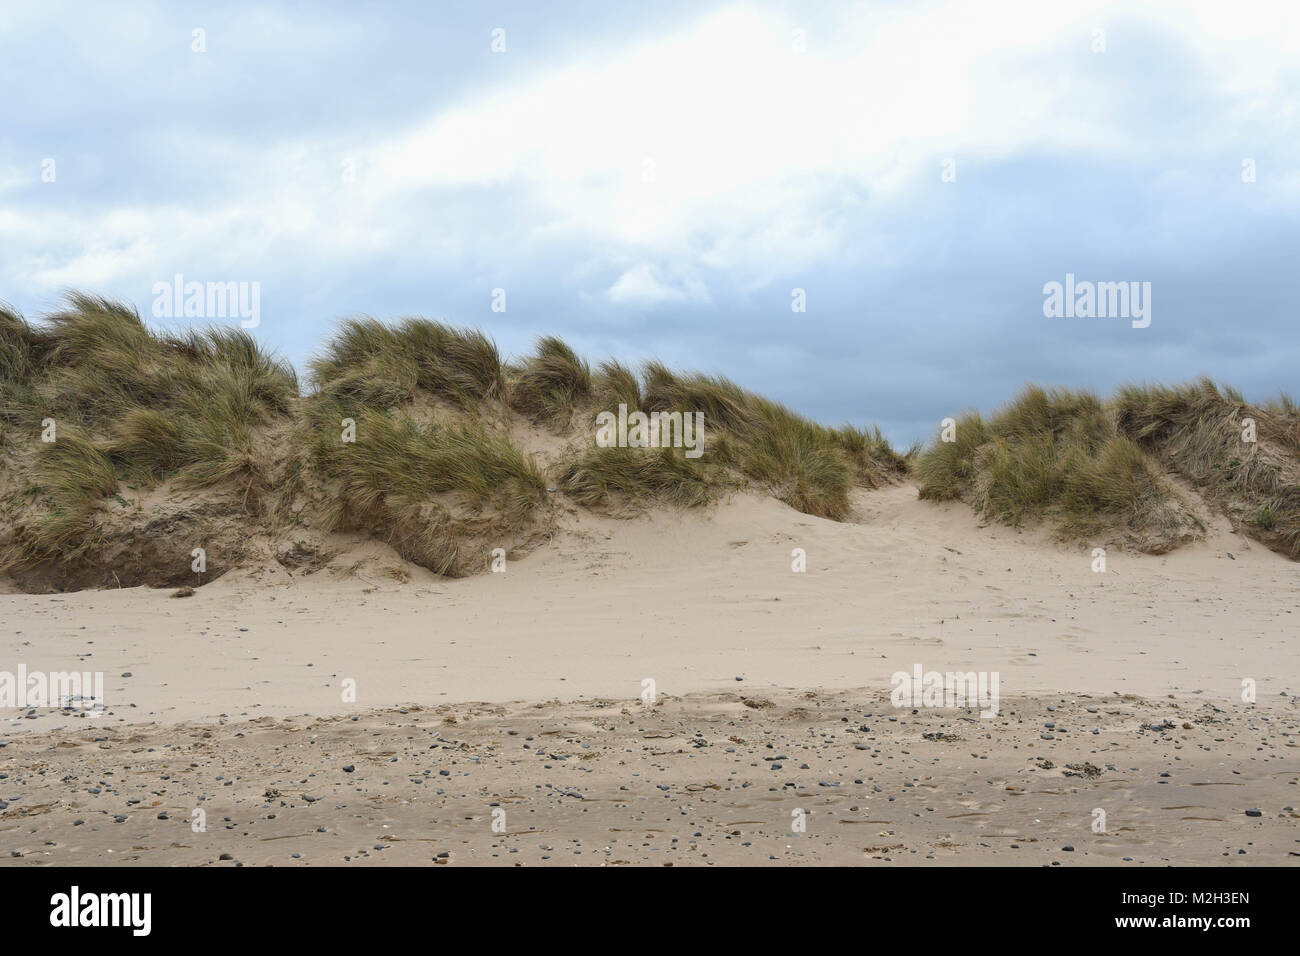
x=748 y=439
x=434 y=471
x=1091 y=465
x=71 y=477
x=381 y=365
x=1059 y=455
x=1199 y=432
x=436 y=492
x=551 y=383
x=128 y=404
x=605 y=476
x=810 y=467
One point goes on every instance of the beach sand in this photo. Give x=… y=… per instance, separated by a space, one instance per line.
x=772 y=697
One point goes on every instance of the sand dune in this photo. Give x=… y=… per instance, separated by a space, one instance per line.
x=693 y=604
x=526 y=691
x=233 y=704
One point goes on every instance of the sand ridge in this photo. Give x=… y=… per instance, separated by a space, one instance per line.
x=1120 y=692
x=693 y=603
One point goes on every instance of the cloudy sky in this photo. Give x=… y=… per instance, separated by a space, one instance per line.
x=657 y=180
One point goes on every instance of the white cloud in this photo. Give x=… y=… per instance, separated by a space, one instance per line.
x=718 y=147
x=724 y=129
x=639 y=286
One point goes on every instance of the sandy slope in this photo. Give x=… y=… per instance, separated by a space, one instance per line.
x=694 y=602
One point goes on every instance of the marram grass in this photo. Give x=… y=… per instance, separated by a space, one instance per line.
x=1094 y=466
x=408 y=433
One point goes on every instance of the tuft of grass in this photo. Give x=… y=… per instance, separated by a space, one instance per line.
x=552 y=382
x=428 y=489
x=1265 y=519
x=725 y=404
x=1200 y=430
x=808 y=466
x=1057 y=454
x=72 y=476
x=20 y=347
x=947 y=469
x=600 y=476
x=380 y=365
x=798 y=462
x=616 y=384
x=874 y=459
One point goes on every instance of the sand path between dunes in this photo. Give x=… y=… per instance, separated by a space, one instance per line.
x=693 y=601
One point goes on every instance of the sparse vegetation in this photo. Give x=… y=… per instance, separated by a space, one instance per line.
x=551 y=383
x=380 y=365
x=1203 y=432
x=598 y=476
x=414 y=433
x=1092 y=466
x=126 y=404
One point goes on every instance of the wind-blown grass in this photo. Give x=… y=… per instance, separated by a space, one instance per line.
x=382 y=365
x=599 y=476
x=616 y=384
x=427 y=489
x=71 y=477
x=1061 y=455
x=128 y=403
x=551 y=383
x=1201 y=430
x=434 y=467
x=747 y=439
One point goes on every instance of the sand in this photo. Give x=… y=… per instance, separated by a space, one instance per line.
x=705 y=605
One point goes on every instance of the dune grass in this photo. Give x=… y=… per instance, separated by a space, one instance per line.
x=551 y=383
x=601 y=476
x=1202 y=431
x=128 y=404
x=615 y=384
x=435 y=484
x=72 y=476
x=1086 y=463
x=1057 y=454
x=17 y=362
x=429 y=490
x=383 y=365
x=434 y=468
x=157 y=405
x=809 y=466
